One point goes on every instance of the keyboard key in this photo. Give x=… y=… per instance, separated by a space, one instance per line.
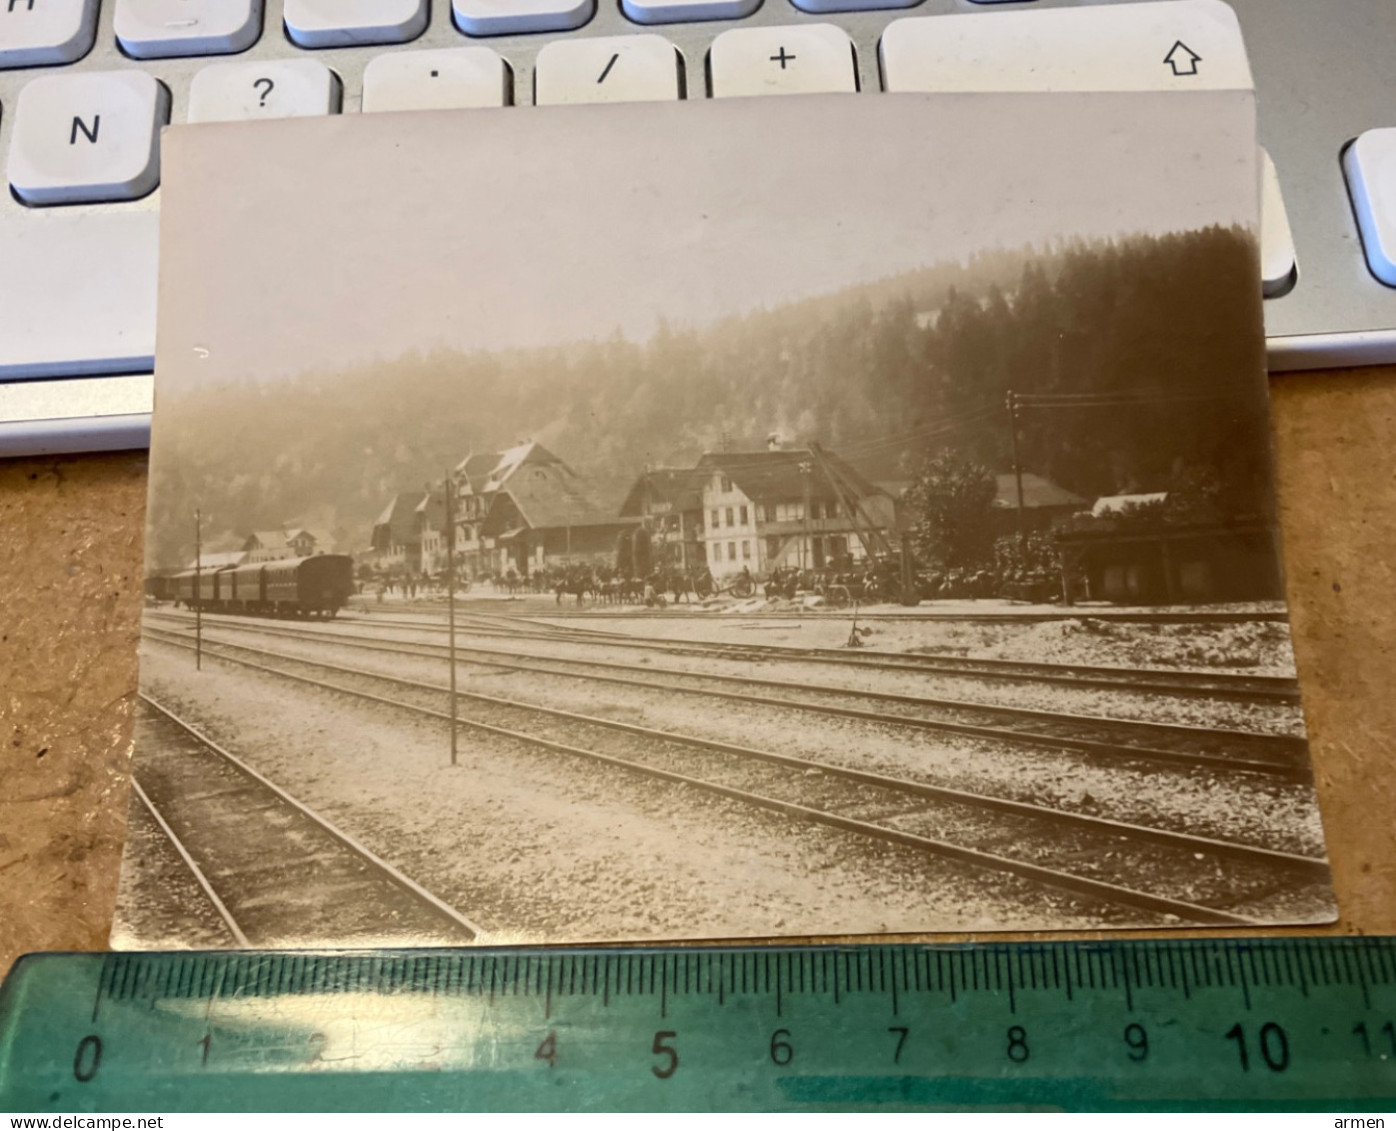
x=1277 y=266
x=281 y=88
x=42 y=33
x=686 y=11
x=821 y=6
x=157 y=29
x=505 y=17
x=453 y=78
x=88 y=137
x=808 y=59
x=75 y=414
x=623 y=68
x=1172 y=45
x=77 y=293
x=347 y=23
x=1370 y=166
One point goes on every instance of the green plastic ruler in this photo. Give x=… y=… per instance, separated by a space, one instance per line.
x=1162 y=1025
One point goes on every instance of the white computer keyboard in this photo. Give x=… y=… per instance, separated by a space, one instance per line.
x=85 y=86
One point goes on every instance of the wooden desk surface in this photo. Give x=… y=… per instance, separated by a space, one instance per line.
x=70 y=575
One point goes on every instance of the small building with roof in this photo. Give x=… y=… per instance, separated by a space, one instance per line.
x=1155 y=549
x=1044 y=502
x=267 y=546
x=217 y=559
x=306 y=542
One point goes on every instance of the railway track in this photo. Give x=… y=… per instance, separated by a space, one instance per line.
x=1199 y=616
x=1233 y=686
x=276 y=872
x=1176 y=744
x=1032 y=842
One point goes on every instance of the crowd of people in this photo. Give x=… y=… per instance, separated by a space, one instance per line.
x=843 y=584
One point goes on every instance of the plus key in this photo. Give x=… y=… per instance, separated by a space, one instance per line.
x=761 y=60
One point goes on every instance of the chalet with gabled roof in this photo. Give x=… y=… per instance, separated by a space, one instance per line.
x=397 y=533
x=543 y=514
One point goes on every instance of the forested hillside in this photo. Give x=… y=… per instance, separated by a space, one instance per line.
x=1121 y=343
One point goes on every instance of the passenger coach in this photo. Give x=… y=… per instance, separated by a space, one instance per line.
x=316 y=586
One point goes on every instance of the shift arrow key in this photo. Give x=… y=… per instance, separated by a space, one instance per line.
x=1183 y=59
x=1113 y=47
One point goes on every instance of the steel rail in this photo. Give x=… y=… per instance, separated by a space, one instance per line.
x=1156 y=681
x=1074 y=613
x=1162 y=681
x=355 y=846
x=1290 y=763
x=1187 y=842
x=1297 y=746
x=1223 y=681
x=194 y=869
x=1098 y=889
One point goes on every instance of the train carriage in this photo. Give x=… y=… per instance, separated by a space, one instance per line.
x=246 y=588
x=315 y=586
x=182 y=585
x=201 y=587
x=160 y=587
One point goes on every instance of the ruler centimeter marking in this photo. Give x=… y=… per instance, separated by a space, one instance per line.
x=1171 y=1023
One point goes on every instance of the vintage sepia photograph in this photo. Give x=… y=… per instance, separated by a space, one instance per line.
x=772 y=518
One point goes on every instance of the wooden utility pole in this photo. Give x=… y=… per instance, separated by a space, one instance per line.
x=198 y=592
x=1017 y=466
x=806 y=470
x=451 y=601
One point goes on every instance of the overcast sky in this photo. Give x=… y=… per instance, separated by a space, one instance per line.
x=322 y=243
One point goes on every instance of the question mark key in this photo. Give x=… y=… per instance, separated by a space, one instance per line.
x=283 y=88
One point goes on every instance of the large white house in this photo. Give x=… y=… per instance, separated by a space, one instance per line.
x=803 y=508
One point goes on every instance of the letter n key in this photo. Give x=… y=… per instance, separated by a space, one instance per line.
x=87 y=137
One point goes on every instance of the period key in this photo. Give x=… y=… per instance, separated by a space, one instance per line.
x=87 y=137
x=447 y=78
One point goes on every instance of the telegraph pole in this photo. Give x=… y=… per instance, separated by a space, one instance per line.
x=806 y=470
x=1017 y=466
x=198 y=593
x=451 y=602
